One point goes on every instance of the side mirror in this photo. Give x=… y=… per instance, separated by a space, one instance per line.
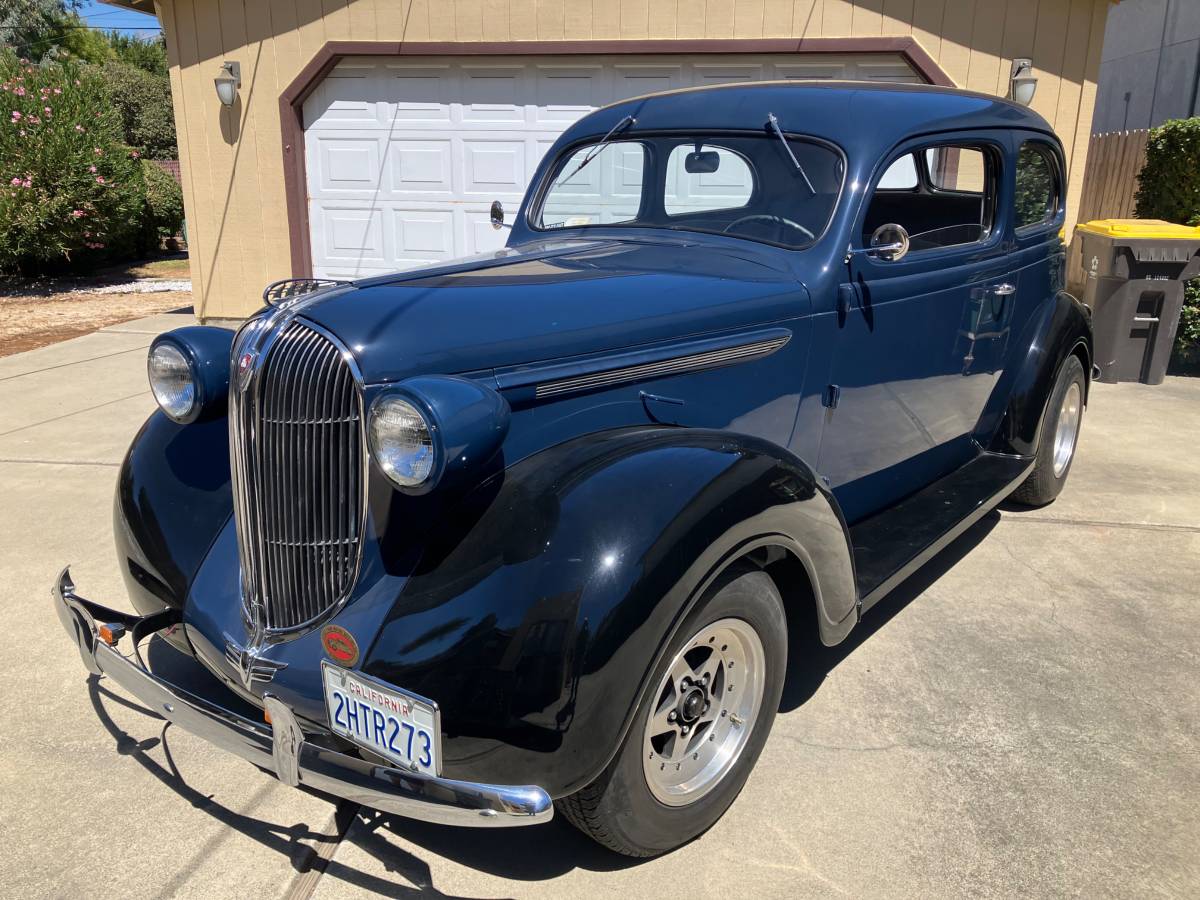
x=497 y=215
x=889 y=242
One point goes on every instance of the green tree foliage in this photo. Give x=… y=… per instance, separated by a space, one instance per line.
x=147 y=54
x=1169 y=188
x=143 y=101
x=71 y=191
x=164 y=203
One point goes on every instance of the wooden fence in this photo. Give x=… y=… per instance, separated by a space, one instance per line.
x=1110 y=179
x=1109 y=185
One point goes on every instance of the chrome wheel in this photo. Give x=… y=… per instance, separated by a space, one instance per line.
x=703 y=712
x=1069 y=416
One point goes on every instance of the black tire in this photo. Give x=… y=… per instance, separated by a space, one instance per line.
x=1043 y=483
x=618 y=809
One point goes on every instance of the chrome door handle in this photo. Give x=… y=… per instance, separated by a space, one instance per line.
x=1003 y=290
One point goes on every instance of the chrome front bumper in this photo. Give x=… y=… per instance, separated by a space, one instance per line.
x=281 y=747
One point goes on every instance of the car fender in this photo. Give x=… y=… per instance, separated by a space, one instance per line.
x=542 y=603
x=1062 y=327
x=173 y=498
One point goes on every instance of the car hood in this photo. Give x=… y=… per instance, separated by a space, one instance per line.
x=552 y=300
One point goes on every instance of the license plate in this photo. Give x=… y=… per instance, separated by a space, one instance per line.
x=399 y=727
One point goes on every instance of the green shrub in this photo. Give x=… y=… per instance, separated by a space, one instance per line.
x=71 y=192
x=144 y=103
x=164 y=203
x=1169 y=188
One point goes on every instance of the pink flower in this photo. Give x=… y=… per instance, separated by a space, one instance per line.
x=77 y=82
x=79 y=128
x=58 y=90
x=16 y=115
x=135 y=154
x=16 y=182
x=92 y=169
x=46 y=110
x=78 y=213
x=99 y=179
x=97 y=151
x=28 y=182
x=20 y=92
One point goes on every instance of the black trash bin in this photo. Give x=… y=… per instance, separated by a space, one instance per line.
x=1136 y=269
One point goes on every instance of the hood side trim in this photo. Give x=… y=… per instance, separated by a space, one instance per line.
x=678 y=357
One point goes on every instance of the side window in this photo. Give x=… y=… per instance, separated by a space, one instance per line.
x=706 y=178
x=900 y=175
x=1037 y=186
x=941 y=195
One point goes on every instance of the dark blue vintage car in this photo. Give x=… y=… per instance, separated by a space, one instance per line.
x=529 y=531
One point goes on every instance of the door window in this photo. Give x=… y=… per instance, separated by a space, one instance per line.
x=943 y=196
x=1038 y=187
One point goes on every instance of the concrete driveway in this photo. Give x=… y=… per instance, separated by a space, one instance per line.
x=1022 y=718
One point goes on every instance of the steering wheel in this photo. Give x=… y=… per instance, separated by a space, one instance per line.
x=779 y=221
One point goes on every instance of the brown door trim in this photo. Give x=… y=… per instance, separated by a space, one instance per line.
x=291 y=101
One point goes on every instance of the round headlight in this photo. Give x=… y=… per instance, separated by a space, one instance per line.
x=172 y=380
x=401 y=441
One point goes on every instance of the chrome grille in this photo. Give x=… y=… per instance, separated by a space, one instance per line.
x=297 y=450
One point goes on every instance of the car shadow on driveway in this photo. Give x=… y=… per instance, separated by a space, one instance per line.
x=522 y=854
x=810 y=661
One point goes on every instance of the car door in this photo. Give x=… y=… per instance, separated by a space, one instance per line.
x=907 y=382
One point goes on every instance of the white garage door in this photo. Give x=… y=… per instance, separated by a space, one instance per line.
x=405 y=155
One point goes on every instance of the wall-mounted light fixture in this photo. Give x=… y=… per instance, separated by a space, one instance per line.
x=228 y=82
x=1023 y=81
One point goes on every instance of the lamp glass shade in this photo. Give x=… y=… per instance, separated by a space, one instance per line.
x=1023 y=88
x=226 y=88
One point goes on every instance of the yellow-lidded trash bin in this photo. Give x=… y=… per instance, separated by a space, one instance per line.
x=1136 y=269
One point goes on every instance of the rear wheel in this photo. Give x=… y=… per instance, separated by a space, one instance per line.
x=699 y=727
x=1060 y=436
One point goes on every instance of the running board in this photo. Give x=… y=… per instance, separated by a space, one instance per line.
x=891 y=545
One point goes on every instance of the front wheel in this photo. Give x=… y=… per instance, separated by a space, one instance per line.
x=699 y=727
x=1060 y=436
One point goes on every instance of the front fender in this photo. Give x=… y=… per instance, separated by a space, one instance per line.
x=1062 y=326
x=173 y=497
x=543 y=601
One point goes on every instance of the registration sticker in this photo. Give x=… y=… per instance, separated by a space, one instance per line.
x=400 y=727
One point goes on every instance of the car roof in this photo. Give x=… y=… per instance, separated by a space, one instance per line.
x=852 y=114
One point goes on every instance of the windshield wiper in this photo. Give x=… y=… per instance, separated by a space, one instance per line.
x=620 y=126
x=774 y=123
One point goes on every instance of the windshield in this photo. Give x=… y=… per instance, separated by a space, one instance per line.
x=745 y=186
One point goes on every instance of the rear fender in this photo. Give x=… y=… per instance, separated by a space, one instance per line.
x=1062 y=328
x=543 y=602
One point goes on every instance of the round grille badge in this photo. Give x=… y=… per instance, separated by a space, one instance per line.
x=340 y=645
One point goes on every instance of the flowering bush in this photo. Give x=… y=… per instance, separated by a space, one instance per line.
x=70 y=189
x=164 y=204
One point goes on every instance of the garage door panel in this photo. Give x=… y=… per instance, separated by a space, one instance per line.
x=494 y=94
x=405 y=155
x=347 y=164
x=348 y=97
x=351 y=234
x=714 y=74
x=565 y=95
x=418 y=95
x=423 y=236
x=478 y=234
x=421 y=167
x=493 y=168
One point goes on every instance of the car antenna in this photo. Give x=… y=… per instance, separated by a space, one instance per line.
x=620 y=126
x=774 y=123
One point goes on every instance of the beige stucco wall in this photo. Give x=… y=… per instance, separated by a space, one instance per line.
x=232 y=161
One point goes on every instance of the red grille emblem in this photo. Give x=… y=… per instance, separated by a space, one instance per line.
x=340 y=645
